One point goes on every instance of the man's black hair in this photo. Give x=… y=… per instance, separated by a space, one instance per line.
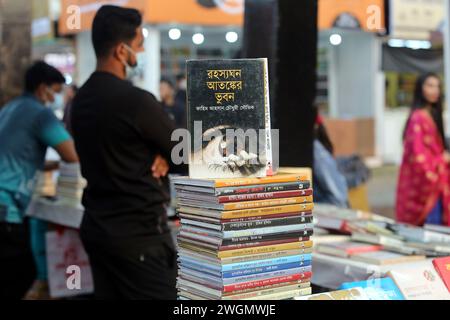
x=42 y=73
x=168 y=81
x=113 y=25
x=180 y=76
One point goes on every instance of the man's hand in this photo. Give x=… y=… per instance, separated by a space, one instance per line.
x=160 y=167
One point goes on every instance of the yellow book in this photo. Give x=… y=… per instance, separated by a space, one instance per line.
x=265 y=249
x=255 y=212
x=266 y=203
x=237 y=182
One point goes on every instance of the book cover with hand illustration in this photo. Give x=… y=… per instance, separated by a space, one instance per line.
x=229 y=118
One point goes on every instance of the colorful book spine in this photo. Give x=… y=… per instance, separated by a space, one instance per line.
x=261 y=243
x=263 y=188
x=304 y=258
x=302 y=283
x=267 y=262
x=266 y=203
x=284 y=178
x=267 y=230
x=261 y=276
x=263 y=292
x=265 y=282
x=270 y=216
x=266 y=223
x=266 y=249
x=263 y=196
x=261 y=270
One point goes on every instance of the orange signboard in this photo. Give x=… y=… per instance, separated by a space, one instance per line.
x=369 y=14
x=217 y=12
x=203 y=12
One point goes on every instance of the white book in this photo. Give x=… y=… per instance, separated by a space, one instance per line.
x=419 y=281
x=348 y=294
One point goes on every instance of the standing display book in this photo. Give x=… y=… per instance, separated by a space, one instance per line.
x=229 y=118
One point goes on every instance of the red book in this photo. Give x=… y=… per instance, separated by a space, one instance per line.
x=266 y=195
x=271 y=216
x=266 y=282
x=442 y=266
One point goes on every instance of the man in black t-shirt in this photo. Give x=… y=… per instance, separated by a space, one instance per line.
x=123 y=138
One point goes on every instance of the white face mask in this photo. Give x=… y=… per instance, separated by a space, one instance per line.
x=183 y=85
x=58 y=103
x=133 y=70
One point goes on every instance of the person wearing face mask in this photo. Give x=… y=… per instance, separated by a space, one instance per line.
x=123 y=138
x=27 y=127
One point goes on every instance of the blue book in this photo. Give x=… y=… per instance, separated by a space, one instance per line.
x=244 y=265
x=266 y=262
x=277 y=267
x=377 y=289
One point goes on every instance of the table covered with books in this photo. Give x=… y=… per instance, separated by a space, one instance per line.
x=359 y=249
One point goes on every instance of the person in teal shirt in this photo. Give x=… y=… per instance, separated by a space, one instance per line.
x=27 y=127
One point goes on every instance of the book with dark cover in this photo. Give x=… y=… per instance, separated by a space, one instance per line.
x=248 y=239
x=266 y=223
x=263 y=188
x=248 y=225
x=219 y=221
x=229 y=118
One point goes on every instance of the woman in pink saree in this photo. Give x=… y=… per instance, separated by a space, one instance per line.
x=423 y=191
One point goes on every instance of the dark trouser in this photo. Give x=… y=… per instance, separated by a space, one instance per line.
x=17 y=267
x=144 y=269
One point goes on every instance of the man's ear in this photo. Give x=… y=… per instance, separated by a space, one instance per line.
x=41 y=92
x=120 y=53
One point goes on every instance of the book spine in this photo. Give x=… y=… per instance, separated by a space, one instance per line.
x=267 y=249
x=268 y=275
x=267 y=262
x=267 y=231
x=264 y=223
x=262 y=256
x=268 y=237
x=257 y=181
x=259 y=270
x=251 y=244
x=265 y=282
x=268 y=132
x=263 y=196
x=302 y=283
x=260 y=293
x=270 y=216
x=266 y=203
x=267 y=211
x=262 y=189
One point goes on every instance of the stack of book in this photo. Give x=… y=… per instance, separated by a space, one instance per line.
x=245 y=238
x=70 y=185
x=45 y=186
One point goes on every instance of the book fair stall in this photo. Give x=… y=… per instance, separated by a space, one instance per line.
x=247 y=230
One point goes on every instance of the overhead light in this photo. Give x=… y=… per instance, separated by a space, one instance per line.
x=418 y=44
x=145 y=32
x=335 y=39
x=174 y=33
x=396 y=43
x=231 y=37
x=411 y=44
x=198 y=38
